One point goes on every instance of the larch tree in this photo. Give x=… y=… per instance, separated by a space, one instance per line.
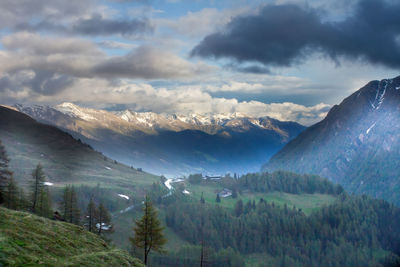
x=12 y=200
x=103 y=217
x=44 y=203
x=37 y=186
x=5 y=173
x=148 y=232
x=74 y=207
x=69 y=205
x=65 y=210
x=90 y=216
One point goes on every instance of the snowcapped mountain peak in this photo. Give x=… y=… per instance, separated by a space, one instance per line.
x=147 y=119
x=68 y=105
x=75 y=111
x=127 y=121
x=194 y=121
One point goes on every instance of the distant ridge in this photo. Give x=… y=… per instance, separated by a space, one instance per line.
x=173 y=144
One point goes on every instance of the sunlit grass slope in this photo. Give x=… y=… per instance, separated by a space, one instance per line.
x=29 y=240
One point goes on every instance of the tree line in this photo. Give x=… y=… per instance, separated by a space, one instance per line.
x=38 y=199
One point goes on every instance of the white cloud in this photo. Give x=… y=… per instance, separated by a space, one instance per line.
x=266 y=83
x=109 y=44
x=14 y=12
x=31 y=43
x=149 y=62
x=55 y=57
x=182 y=100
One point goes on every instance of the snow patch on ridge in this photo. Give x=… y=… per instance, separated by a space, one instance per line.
x=123 y=196
x=370 y=128
x=380 y=94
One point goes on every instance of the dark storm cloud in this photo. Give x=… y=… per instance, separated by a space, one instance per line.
x=96 y=25
x=285 y=35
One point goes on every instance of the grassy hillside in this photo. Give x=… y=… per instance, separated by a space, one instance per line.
x=29 y=240
x=67 y=161
x=64 y=159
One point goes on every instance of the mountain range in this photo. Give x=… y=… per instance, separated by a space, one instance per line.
x=356 y=145
x=173 y=144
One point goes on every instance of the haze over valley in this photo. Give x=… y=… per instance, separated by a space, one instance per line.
x=173 y=145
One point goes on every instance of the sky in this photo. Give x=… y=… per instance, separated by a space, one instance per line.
x=287 y=59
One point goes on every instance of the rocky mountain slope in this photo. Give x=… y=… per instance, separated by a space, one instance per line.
x=356 y=145
x=173 y=144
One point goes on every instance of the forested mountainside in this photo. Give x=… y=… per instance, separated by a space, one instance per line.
x=258 y=224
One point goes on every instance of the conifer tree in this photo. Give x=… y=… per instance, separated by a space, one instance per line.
x=44 y=203
x=90 y=216
x=239 y=208
x=218 y=199
x=5 y=173
x=12 y=195
x=40 y=196
x=103 y=217
x=148 y=231
x=69 y=205
x=37 y=186
x=74 y=207
x=65 y=211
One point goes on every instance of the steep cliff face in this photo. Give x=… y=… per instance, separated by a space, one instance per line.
x=356 y=145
